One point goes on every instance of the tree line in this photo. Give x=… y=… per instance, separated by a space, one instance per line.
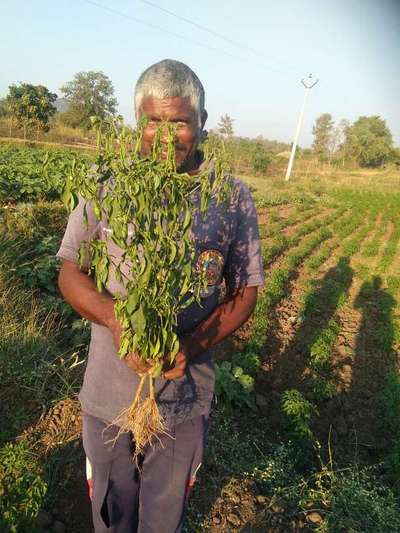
x=31 y=107
x=367 y=142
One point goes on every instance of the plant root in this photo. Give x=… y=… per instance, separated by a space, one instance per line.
x=142 y=419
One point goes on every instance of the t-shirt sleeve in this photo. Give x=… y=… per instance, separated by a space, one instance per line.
x=244 y=266
x=80 y=229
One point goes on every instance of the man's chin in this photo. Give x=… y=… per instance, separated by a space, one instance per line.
x=181 y=162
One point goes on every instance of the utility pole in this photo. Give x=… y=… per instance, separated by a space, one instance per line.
x=308 y=84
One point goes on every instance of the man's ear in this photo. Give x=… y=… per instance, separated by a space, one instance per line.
x=204 y=117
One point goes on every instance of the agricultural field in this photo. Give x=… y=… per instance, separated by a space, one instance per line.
x=305 y=435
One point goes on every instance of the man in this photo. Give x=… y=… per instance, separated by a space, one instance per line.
x=151 y=499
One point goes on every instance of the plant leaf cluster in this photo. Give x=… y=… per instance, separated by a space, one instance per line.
x=149 y=207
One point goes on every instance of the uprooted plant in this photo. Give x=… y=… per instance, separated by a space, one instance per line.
x=149 y=207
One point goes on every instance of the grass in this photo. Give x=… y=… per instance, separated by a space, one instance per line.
x=58 y=134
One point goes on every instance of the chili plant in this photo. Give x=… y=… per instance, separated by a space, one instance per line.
x=147 y=194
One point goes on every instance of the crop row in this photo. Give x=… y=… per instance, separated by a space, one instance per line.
x=390 y=251
x=353 y=245
x=29 y=175
x=276 y=283
x=334 y=299
x=282 y=198
x=286 y=222
x=372 y=248
x=274 y=291
x=341 y=229
x=235 y=380
x=327 y=298
x=283 y=242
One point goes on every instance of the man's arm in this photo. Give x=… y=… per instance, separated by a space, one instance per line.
x=223 y=321
x=79 y=290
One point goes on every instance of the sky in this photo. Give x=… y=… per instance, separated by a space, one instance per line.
x=250 y=60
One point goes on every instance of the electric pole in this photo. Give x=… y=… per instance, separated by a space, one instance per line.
x=308 y=84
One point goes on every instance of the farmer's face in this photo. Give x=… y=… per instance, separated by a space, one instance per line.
x=178 y=111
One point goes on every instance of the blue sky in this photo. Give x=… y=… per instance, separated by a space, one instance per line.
x=352 y=46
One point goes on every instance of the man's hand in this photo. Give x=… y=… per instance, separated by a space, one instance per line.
x=136 y=364
x=180 y=364
x=132 y=359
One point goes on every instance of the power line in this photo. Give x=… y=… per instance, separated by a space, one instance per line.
x=211 y=31
x=178 y=36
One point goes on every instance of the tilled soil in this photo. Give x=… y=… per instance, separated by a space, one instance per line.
x=360 y=366
x=360 y=371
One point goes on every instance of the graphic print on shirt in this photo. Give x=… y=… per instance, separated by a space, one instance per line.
x=212 y=263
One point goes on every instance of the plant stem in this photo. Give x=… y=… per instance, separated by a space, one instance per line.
x=152 y=395
x=139 y=391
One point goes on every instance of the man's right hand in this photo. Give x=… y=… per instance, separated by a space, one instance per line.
x=80 y=291
x=132 y=359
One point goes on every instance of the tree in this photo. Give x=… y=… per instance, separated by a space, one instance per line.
x=338 y=140
x=225 y=126
x=260 y=158
x=396 y=157
x=4 y=110
x=31 y=106
x=88 y=94
x=5 y=114
x=369 y=141
x=322 y=131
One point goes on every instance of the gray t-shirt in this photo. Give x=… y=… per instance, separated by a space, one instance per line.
x=228 y=246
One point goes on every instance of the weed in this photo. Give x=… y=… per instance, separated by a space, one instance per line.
x=233 y=387
x=300 y=412
x=22 y=488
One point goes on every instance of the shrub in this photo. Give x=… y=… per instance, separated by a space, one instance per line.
x=299 y=411
x=359 y=503
x=22 y=488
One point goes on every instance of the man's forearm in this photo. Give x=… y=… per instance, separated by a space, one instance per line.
x=223 y=321
x=80 y=292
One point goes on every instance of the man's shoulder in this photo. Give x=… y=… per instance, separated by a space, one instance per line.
x=242 y=194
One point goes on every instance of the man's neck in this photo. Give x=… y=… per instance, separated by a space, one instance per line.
x=192 y=165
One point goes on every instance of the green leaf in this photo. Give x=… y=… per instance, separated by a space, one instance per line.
x=132 y=303
x=157 y=370
x=173 y=251
x=138 y=321
x=123 y=347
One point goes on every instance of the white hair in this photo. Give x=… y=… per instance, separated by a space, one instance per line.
x=169 y=79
